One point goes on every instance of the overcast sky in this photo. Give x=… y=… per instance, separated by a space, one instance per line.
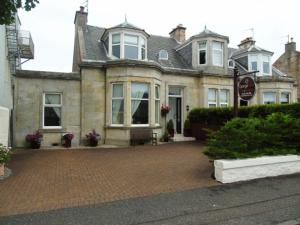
x=51 y=23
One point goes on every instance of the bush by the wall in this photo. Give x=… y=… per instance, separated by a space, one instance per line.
x=277 y=134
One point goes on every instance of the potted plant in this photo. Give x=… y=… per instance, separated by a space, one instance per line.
x=67 y=138
x=34 y=140
x=187 y=131
x=170 y=128
x=165 y=137
x=4 y=157
x=165 y=110
x=93 y=138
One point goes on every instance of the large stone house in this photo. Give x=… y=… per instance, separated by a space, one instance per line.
x=122 y=76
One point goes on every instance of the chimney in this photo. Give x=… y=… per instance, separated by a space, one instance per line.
x=290 y=46
x=178 y=33
x=80 y=18
x=247 y=42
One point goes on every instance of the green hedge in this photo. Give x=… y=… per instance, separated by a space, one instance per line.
x=277 y=134
x=219 y=116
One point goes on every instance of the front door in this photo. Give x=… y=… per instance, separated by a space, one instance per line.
x=175 y=113
x=178 y=115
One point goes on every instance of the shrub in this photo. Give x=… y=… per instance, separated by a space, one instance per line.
x=4 y=154
x=34 y=139
x=278 y=134
x=93 y=138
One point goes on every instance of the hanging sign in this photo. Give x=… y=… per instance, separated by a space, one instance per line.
x=246 y=88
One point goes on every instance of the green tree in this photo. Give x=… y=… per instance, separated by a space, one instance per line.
x=9 y=8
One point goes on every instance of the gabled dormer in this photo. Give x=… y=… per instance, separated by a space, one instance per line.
x=125 y=41
x=209 y=52
x=252 y=58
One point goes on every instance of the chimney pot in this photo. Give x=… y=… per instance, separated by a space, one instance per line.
x=81 y=9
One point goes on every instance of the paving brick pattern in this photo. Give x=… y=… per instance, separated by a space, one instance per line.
x=43 y=180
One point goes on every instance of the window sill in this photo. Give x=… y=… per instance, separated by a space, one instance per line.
x=52 y=130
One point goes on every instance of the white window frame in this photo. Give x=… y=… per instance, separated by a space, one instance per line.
x=160 y=54
x=157 y=100
x=289 y=97
x=137 y=45
x=122 y=44
x=253 y=58
x=220 y=51
x=202 y=49
x=117 y=98
x=52 y=105
x=269 y=92
x=212 y=103
x=141 y=99
x=224 y=104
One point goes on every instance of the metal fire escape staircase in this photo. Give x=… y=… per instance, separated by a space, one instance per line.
x=19 y=46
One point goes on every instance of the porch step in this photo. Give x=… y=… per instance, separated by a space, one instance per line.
x=180 y=138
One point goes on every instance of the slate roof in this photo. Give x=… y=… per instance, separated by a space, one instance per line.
x=209 y=33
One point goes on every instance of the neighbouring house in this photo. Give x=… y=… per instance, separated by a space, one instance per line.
x=289 y=62
x=122 y=76
x=14 y=48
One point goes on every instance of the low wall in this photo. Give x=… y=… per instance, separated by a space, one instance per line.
x=4 y=127
x=228 y=171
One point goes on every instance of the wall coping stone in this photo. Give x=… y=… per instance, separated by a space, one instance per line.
x=47 y=75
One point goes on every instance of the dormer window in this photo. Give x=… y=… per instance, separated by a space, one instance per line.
x=163 y=55
x=202 y=52
x=231 y=63
x=217 y=53
x=125 y=45
x=253 y=62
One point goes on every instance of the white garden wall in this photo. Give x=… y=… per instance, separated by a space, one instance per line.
x=228 y=171
x=4 y=125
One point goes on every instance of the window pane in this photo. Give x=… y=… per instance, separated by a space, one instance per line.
x=285 y=98
x=202 y=45
x=217 y=45
x=117 y=91
x=143 y=42
x=117 y=111
x=163 y=54
x=202 y=57
x=131 y=52
x=131 y=39
x=224 y=96
x=266 y=67
x=218 y=58
x=212 y=97
x=269 y=98
x=143 y=53
x=52 y=116
x=254 y=66
x=212 y=105
x=174 y=91
x=157 y=92
x=116 y=38
x=116 y=51
x=157 y=111
x=139 y=111
x=52 y=99
x=139 y=90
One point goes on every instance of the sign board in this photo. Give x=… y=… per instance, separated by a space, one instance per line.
x=246 y=88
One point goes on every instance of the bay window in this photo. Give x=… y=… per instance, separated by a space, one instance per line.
x=117 y=108
x=52 y=105
x=266 y=64
x=217 y=53
x=140 y=103
x=269 y=98
x=212 y=98
x=253 y=62
x=143 y=48
x=157 y=103
x=202 y=52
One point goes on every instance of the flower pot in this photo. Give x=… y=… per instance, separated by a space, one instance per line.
x=68 y=143
x=1 y=169
x=187 y=132
x=35 y=144
x=93 y=143
x=171 y=132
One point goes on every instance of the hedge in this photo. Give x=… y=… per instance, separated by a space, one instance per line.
x=277 y=134
x=219 y=116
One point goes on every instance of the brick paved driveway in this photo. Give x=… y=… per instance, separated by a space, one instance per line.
x=52 y=179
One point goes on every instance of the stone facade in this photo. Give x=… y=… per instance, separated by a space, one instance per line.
x=289 y=63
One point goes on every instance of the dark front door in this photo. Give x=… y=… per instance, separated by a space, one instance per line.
x=178 y=115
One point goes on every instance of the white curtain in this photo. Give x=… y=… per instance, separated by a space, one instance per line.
x=137 y=93
x=116 y=111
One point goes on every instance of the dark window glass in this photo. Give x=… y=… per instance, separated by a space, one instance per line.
x=140 y=113
x=52 y=116
x=116 y=51
x=131 y=52
x=202 y=57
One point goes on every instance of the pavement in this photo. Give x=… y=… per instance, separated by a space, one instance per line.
x=258 y=202
x=44 y=180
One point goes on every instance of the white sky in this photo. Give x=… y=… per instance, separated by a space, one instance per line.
x=52 y=28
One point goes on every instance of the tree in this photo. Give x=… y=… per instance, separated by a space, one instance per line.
x=9 y=8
